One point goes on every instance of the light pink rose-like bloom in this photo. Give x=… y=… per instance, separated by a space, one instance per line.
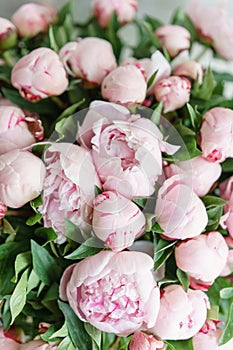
x=174 y=91
x=103 y=10
x=125 y=85
x=179 y=211
x=32 y=19
x=216 y=134
x=69 y=188
x=228 y=268
x=114 y=292
x=21 y=177
x=8 y=34
x=17 y=130
x=217 y=27
x=226 y=192
x=7 y=342
x=38 y=345
x=173 y=38
x=190 y=69
x=126 y=149
x=198 y=173
x=117 y=220
x=3 y=210
x=203 y=257
x=89 y=59
x=39 y=74
x=181 y=314
x=142 y=340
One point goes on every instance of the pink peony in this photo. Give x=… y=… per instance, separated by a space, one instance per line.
x=228 y=268
x=7 y=342
x=181 y=315
x=8 y=34
x=216 y=134
x=226 y=192
x=116 y=220
x=174 y=91
x=89 y=59
x=39 y=74
x=173 y=38
x=104 y=9
x=32 y=19
x=115 y=292
x=3 y=210
x=190 y=69
x=144 y=341
x=69 y=188
x=21 y=177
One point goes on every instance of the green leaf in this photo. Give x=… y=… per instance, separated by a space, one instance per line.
x=22 y=261
x=8 y=228
x=183 y=278
x=169 y=346
x=182 y=19
x=76 y=329
x=94 y=333
x=70 y=110
x=155 y=117
x=162 y=251
x=228 y=332
x=53 y=43
x=157 y=228
x=46 y=233
x=181 y=344
x=67 y=129
x=107 y=340
x=61 y=333
x=141 y=202
x=213 y=201
x=227 y=166
x=151 y=79
x=90 y=247
x=112 y=36
x=213 y=313
x=33 y=281
x=66 y=344
x=34 y=219
x=195 y=117
x=226 y=293
x=204 y=91
x=153 y=38
x=73 y=232
x=214 y=216
x=18 y=298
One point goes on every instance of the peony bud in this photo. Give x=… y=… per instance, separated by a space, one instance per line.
x=7 y=342
x=190 y=69
x=3 y=210
x=144 y=341
x=8 y=34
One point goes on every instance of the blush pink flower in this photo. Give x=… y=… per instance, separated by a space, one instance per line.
x=142 y=340
x=7 y=342
x=173 y=38
x=190 y=69
x=69 y=188
x=32 y=19
x=228 y=268
x=181 y=315
x=89 y=59
x=114 y=292
x=174 y=91
x=216 y=134
x=3 y=210
x=21 y=177
x=38 y=345
x=203 y=257
x=8 y=34
x=103 y=10
x=226 y=192
x=39 y=74
x=116 y=220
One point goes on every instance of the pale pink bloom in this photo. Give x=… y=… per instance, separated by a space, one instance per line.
x=32 y=19
x=190 y=69
x=197 y=173
x=39 y=74
x=117 y=220
x=21 y=177
x=38 y=345
x=125 y=85
x=228 y=268
x=226 y=192
x=174 y=91
x=213 y=24
x=203 y=257
x=103 y=10
x=142 y=340
x=216 y=134
x=179 y=211
x=89 y=59
x=7 y=342
x=3 y=210
x=173 y=38
x=17 y=130
x=181 y=314
x=226 y=188
x=5 y=102
x=114 y=292
x=69 y=188
x=8 y=34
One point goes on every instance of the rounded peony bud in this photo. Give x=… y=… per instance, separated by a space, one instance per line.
x=21 y=177
x=7 y=342
x=103 y=10
x=173 y=38
x=32 y=19
x=174 y=91
x=39 y=74
x=8 y=34
x=179 y=211
x=202 y=258
x=190 y=69
x=125 y=85
x=142 y=340
x=116 y=220
x=38 y=345
x=181 y=314
x=226 y=192
x=198 y=173
x=114 y=292
x=3 y=210
x=216 y=134
x=89 y=59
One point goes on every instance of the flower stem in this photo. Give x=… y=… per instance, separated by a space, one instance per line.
x=58 y=102
x=8 y=58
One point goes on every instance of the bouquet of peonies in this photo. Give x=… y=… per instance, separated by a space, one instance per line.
x=116 y=186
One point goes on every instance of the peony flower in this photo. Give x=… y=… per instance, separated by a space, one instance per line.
x=17 y=130
x=173 y=38
x=216 y=134
x=21 y=177
x=228 y=268
x=114 y=292
x=197 y=173
x=181 y=315
x=174 y=91
x=3 y=210
x=69 y=188
x=179 y=211
x=7 y=342
x=116 y=220
x=89 y=59
x=104 y=9
x=190 y=69
x=32 y=19
x=38 y=345
x=39 y=74
x=142 y=340
x=8 y=34
x=202 y=258
x=226 y=192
